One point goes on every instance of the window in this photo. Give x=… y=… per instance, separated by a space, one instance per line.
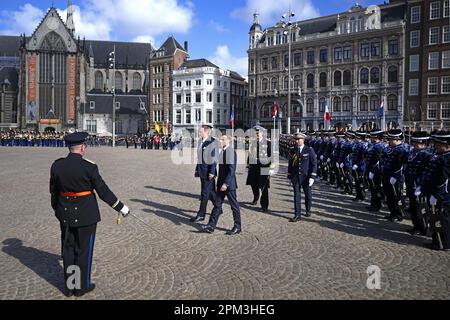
x=393 y=74
x=209 y=97
x=98 y=80
x=91 y=125
x=415 y=14
x=310 y=81
x=375 y=75
x=225 y=98
x=414 y=63
x=209 y=118
x=337 y=104
x=178 y=98
x=435 y=10
x=119 y=127
x=445 y=59
x=198 y=97
x=178 y=116
x=198 y=83
x=278 y=38
x=337 y=79
x=446 y=34
x=375 y=49
x=218 y=116
x=347 y=53
x=297 y=59
x=445 y=83
x=364 y=50
x=178 y=84
x=346 y=104
x=434 y=35
x=337 y=54
x=414 y=39
x=363 y=103
x=188 y=117
x=218 y=98
x=274 y=63
x=118 y=83
x=188 y=98
x=347 y=78
x=446 y=8
x=310 y=105
x=137 y=81
x=432 y=110
x=286 y=83
x=364 y=76
x=265 y=84
x=393 y=47
x=445 y=110
x=209 y=81
x=274 y=84
x=263 y=66
x=323 y=55
x=323 y=80
x=433 y=86
x=414 y=87
x=92 y=105
x=188 y=83
x=286 y=61
x=374 y=103
x=310 y=57
x=392 y=102
x=322 y=104
x=433 y=60
x=198 y=115
x=297 y=82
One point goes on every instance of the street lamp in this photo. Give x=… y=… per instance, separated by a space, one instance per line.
x=112 y=64
x=288 y=33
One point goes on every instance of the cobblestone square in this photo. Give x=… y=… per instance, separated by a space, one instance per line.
x=325 y=256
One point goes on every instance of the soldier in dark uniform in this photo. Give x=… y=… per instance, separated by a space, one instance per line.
x=358 y=165
x=374 y=162
x=206 y=170
x=226 y=186
x=396 y=157
x=302 y=172
x=435 y=185
x=72 y=183
x=418 y=159
x=260 y=167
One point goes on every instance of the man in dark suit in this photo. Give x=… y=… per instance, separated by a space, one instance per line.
x=302 y=171
x=72 y=184
x=206 y=170
x=226 y=186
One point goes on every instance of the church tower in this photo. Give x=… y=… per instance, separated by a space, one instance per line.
x=69 y=21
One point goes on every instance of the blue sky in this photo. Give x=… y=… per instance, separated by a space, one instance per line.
x=216 y=30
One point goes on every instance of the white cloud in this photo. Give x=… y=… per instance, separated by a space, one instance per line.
x=217 y=26
x=24 y=20
x=270 y=11
x=144 y=39
x=224 y=59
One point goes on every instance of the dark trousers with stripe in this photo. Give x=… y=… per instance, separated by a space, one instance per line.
x=298 y=184
x=78 y=249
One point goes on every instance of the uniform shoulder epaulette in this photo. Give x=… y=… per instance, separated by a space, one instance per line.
x=90 y=161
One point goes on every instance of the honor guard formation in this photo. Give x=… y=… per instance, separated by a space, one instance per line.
x=14 y=138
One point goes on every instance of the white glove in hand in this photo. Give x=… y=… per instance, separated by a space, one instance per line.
x=311 y=182
x=433 y=201
x=418 y=192
x=271 y=172
x=328 y=160
x=371 y=175
x=125 y=211
x=342 y=165
x=355 y=167
x=337 y=165
x=321 y=157
x=393 y=180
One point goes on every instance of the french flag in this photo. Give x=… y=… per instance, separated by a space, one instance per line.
x=232 y=116
x=275 y=110
x=381 y=111
x=327 y=115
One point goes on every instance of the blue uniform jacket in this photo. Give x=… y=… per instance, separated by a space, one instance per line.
x=207 y=162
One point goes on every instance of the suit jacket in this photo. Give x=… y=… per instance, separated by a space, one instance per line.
x=302 y=165
x=75 y=174
x=227 y=169
x=207 y=162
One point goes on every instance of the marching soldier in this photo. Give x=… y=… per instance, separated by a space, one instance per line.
x=206 y=170
x=435 y=185
x=302 y=172
x=396 y=157
x=358 y=165
x=260 y=168
x=72 y=183
x=374 y=161
x=418 y=159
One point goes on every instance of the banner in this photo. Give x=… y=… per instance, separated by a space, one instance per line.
x=71 y=87
x=32 y=108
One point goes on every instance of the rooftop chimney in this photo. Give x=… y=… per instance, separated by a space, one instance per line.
x=186 y=47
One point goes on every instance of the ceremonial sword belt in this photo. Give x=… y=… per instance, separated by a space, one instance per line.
x=76 y=194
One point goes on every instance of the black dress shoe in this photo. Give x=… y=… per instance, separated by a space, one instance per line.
x=254 y=202
x=197 y=219
x=207 y=229
x=295 y=219
x=308 y=214
x=80 y=293
x=413 y=232
x=233 y=231
x=264 y=209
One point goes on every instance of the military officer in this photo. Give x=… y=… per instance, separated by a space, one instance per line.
x=73 y=181
x=226 y=186
x=206 y=170
x=302 y=172
x=260 y=168
x=374 y=161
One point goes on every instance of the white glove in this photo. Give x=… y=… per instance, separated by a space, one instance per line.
x=342 y=165
x=271 y=172
x=311 y=182
x=433 y=201
x=355 y=167
x=418 y=192
x=371 y=175
x=393 y=180
x=337 y=165
x=328 y=160
x=125 y=211
x=321 y=157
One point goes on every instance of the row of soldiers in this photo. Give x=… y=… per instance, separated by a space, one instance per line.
x=13 y=138
x=148 y=141
x=384 y=164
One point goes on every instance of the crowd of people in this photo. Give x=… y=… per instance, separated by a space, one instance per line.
x=154 y=141
x=16 y=138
